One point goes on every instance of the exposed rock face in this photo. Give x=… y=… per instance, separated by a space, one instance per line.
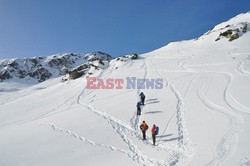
x=233 y=37
x=232 y=32
x=123 y=59
x=227 y=33
x=5 y=75
x=74 y=74
x=133 y=56
x=79 y=71
x=41 y=74
x=43 y=68
x=128 y=57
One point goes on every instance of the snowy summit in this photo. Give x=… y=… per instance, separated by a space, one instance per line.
x=73 y=109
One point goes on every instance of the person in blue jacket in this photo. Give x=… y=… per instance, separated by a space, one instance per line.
x=138 y=106
x=142 y=96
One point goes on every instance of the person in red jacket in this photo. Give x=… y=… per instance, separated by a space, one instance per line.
x=153 y=133
x=143 y=128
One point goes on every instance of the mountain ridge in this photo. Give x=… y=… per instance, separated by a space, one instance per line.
x=39 y=69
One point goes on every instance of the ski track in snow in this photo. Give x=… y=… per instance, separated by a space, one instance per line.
x=183 y=144
x=178 y=108
x=51 y=112
x=134 y=153
x=137 y=154
x=243 y=108
x=135 y=121
x=110 y=118
x=241 y=69
x=228 y=143
x=229 y=97
x=81 y=138
x=122 y=129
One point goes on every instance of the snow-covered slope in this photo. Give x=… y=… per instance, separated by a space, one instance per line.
x=202 y=110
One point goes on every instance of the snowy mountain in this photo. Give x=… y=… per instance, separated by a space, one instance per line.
x=197 y=92
x=39 y=69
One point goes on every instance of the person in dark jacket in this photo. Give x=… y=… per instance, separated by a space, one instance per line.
x=144 y=128
x=142 y=96
x=153 y=133
x=138 y=106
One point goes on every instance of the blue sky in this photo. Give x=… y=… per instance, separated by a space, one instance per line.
x=118 y=27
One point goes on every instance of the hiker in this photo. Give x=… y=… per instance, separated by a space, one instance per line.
x=143 y=128
x=138 y=106
x=154 y=131
x=142 y=96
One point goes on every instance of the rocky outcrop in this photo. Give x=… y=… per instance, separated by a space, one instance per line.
x=86 y=69
x=78 y=72
x=233 y=37
x=128 y=57
x=4 y=75
x=41 y=74
x=232 y=32
x=133 y=56
x=44 y=68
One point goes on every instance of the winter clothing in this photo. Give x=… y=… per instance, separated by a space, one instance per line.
x=153 y=133
x=142 y=96
x=153 y=129
x=138 y=105
x=143 y=128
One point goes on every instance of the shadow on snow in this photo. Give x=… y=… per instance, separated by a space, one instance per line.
x=153 y=112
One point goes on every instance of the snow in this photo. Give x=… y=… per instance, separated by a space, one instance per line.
x=203 y=111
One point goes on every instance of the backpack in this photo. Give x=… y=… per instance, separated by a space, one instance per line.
x=156 y=130
x=138 y=105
